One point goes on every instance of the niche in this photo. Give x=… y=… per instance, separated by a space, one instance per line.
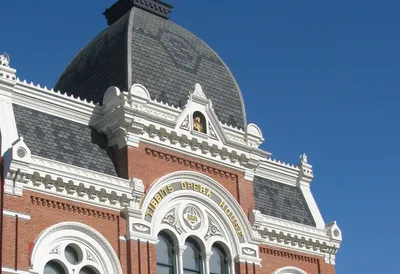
x=199 y=122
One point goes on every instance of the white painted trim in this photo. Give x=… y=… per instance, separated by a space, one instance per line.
x=289 y=270
x=312 y=205
x=68 y=182
x=211 y=214
x=7 y=270
x=60 y=235
x=54 y=103
x=298 y=237
x=13 y=214
x=8 y=127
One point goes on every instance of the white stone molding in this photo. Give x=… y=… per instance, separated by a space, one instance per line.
x=101 y=254
x=8 y=128
x=54 y=103
x=304 y=179
x=111 y=95
x=132 y=117
x=278 y=171
x=214 y=215
x=298 y=237
x=12 y=213
x=289 y=270
x=4 y=60
x=70 y=182
x=7 y=75
x=139 y=91
x=7 y=270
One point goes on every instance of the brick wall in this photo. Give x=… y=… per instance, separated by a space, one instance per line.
x=1 y=204
x=274 y=258
x=149 y=163
x=19 y=234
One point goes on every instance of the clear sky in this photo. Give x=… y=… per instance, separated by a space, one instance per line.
x=320 y=77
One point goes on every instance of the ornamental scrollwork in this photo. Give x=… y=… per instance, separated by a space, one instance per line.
x=170 y=219
x=213 y=230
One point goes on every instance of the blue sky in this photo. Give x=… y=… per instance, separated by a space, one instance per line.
x=320 y=77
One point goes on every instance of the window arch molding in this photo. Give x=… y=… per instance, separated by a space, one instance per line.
x=213 y=185
x=97 y=251
x=180 y=233
x=289 y=270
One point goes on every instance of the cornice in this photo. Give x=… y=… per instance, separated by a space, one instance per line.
x=278 y=232
x=54 y=102
x=129 y=118
x=26 y=171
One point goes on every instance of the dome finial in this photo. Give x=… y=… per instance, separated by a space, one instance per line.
x=4 y=60
x=156 y=7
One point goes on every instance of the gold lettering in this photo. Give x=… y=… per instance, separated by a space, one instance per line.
x=158 y=197
x=195 y=187
x=170 y=188
x=190 y=185
x=233 y=218
x=209 y=194
x=183 y=185
x=160 y=192
x=164 y=191
x=154 y=203
x=240 y=233
x=221 y=204
x=151 y=207
x=202 y=189
x=149 y=213
x=227 y=211
x=236 y=225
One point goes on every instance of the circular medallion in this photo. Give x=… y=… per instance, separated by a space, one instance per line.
x=192 y=217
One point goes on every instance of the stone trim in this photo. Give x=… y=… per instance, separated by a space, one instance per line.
x=71 y=208
x=192 y=164
x=288 y=255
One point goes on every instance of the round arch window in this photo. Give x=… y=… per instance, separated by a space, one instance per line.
x=192 y=263
x=71 y=253
x=54 y=267
x=218 y=261
x=70 y=258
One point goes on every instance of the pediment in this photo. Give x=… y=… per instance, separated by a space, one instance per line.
x=198 y=118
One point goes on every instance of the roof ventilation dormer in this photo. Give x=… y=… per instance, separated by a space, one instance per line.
x=156 y=7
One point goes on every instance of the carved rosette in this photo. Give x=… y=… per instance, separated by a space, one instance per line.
x=213 y=230
x=192 y=217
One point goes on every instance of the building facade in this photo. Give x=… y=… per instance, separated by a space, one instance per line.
x=144 y=163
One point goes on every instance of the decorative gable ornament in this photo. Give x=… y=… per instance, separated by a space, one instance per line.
x=198 y=91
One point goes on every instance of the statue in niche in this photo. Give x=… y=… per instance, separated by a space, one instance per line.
x=199 y=122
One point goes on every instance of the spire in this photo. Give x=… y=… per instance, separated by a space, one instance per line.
x=156 y=7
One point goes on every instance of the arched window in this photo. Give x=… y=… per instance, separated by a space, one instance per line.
x=191 y=258
x=54 y=267
x=71 y=247
x=218 y=261
x=165 y=255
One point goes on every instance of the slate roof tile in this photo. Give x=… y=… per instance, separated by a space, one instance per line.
x=62 y=140
x=281 y=201
x=166 y=58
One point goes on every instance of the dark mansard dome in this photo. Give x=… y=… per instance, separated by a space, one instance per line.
x=142 y=46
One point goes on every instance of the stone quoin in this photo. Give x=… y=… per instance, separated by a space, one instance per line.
x=141 y=163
